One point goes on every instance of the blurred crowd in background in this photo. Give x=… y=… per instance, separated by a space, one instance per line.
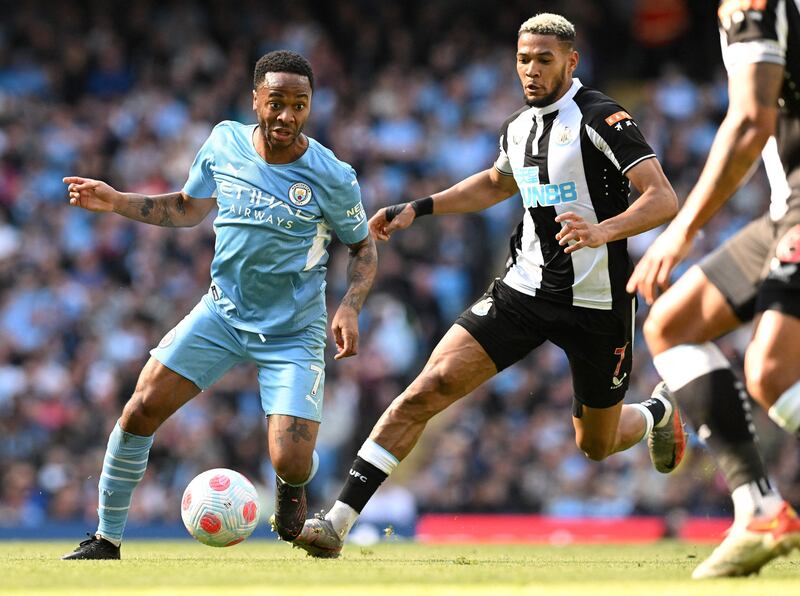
x=411 y=94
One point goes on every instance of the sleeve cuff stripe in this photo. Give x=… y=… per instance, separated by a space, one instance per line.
x=504 y=173
x=629 y=166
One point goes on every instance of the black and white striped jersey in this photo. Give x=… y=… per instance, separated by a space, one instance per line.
x=769 y=31
x=570 y=156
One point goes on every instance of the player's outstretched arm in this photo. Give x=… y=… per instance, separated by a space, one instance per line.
x=656 y=204
x=360 y=273
x=752 y=113
x=476 y=193
x=172 y=210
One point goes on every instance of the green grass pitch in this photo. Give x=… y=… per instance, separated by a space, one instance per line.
x=386 y=569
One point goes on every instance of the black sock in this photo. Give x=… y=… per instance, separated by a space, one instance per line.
x=656 y=408
x=362 y=482
x=718 y=407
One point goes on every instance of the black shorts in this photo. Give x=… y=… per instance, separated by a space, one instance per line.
x=598 y=343
x=754 y=269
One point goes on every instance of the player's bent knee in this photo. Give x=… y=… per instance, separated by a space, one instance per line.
x=662 y=329
x=652 y=328
x=594 y=449
x=765 y=379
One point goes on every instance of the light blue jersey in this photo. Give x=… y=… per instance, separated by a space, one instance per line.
x=273 y=226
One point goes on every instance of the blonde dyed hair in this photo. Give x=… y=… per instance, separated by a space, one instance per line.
x=547 y=23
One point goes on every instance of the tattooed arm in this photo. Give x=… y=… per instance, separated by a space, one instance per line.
x=360 y=274
x=172 y=210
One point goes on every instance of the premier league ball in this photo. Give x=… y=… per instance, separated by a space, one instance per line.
x=220 y=507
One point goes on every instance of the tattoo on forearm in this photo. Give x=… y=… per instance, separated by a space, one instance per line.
x=360 y=273
x=299 y=430
x=161 y=210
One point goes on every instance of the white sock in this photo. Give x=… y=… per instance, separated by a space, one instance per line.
x=750 y=500
x=648 y=419
x=378 y=456
x=680 y=365
x=342 y=517
x=785 y=412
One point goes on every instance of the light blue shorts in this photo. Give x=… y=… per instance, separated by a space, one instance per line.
x=291 y=368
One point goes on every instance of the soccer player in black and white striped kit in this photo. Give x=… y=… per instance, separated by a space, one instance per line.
x=753 y=276
x=571 y=153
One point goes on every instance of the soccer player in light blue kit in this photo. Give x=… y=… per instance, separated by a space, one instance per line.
x=278 y=195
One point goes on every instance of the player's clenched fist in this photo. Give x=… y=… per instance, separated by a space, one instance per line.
x=94 y=195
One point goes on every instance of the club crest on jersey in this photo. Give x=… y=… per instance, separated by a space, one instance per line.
x=563 y=135
x=483 y=307
x=167 y=340
x=300 y=194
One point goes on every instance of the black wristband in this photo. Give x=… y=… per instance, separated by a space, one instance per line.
x=420 y=206
x=423 y=206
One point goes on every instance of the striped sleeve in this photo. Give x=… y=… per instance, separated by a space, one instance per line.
x=614 y=132
x=502 y=164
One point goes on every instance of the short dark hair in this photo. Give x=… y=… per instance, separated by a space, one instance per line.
x=282 y=61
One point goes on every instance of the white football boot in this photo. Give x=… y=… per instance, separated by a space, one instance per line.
x=748 y=548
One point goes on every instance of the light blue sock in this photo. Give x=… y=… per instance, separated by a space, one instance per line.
x=123 y=468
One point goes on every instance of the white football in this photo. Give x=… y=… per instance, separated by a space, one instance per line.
x=220 y=507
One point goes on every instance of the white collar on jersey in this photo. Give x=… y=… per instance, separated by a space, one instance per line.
x=567 y=97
